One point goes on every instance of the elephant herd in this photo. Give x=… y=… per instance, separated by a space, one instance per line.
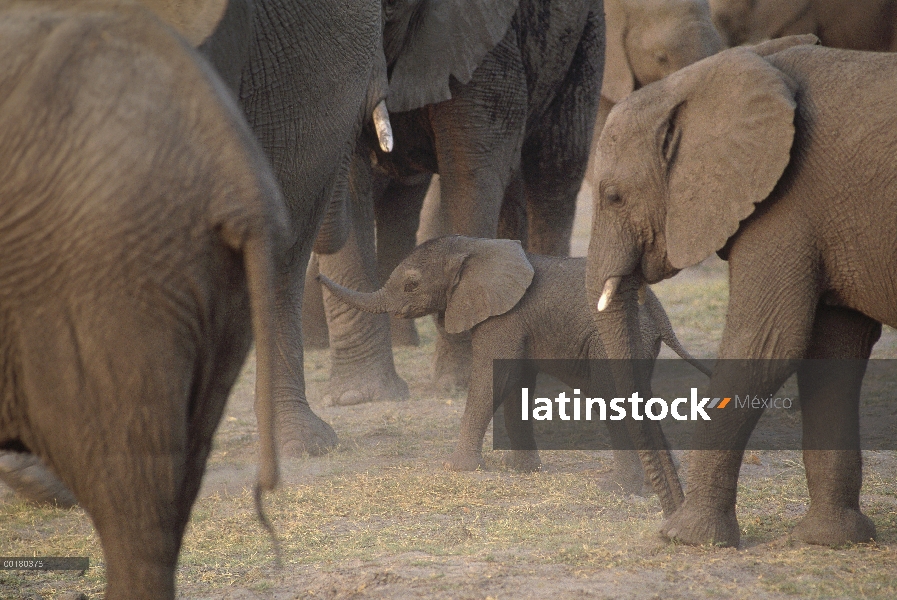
x=167 y=168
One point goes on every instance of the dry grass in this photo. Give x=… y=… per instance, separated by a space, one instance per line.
x=379 y=517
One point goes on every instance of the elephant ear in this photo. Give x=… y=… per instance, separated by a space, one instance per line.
x=435 y=40
x=193 y=19
x=619 y=80
x=490 y=280
x=725 y=146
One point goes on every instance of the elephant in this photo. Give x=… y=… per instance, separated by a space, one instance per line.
x=141 y=230
x=485 y=94
x=308 y=77
x=849 y=24
x=646 y=41
x=769 y=157
x=516 y=305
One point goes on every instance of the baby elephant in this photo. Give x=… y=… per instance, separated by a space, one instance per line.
x=516 y=305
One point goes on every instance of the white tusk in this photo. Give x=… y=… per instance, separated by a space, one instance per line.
x=610 y=287
x=642 y=293
x=384 y=129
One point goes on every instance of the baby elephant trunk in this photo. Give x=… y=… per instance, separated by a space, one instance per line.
x=372 y=302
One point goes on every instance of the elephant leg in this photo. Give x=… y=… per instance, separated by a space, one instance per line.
x=781 y=288
x=397 y=211
x=299 y=430
x=362 y=367
x=314 y=318
x=478 y=409
x=477 y=135
x=829 y=401
x=524 y=455
x=32 y=480
x=556 y=150
x=512 y=220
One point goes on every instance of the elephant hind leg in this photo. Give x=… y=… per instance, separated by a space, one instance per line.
x=830 y=395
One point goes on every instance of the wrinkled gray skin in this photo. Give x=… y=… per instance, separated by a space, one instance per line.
x=520 y=105
x=849 y=24
x=518 y=305
x=770 y=158
x=137 y=231
x=307 y=76
x=646 y=41
x=310 y=78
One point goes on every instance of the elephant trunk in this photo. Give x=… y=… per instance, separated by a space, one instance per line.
x=372 y=302
x=614 y=302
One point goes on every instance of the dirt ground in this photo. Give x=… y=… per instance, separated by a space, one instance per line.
x=380 y=518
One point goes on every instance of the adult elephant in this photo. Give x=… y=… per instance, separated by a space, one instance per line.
x=140 y=228
x=307 y=76
x=482 y=93
x=770 y=158
x=646 y=41
x=850 y=24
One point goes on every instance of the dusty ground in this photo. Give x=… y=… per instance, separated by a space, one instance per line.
x=379 y=518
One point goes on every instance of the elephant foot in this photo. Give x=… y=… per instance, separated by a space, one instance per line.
x=301 y=432
x=404 y=332
x=366 y=387
x=32 y=480
x=701 y=525
x=525 y=461
x=464 y=461
x=834 y=526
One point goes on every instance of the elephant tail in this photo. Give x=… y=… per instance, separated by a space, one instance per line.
x=259 y=250
x=667 y=335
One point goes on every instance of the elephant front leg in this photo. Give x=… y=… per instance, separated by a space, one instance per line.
x=478 y=409
x=556 y=150
x=468 y=454
x=829 y=398
x=362 y=367
x=707 y=516
x=772 y=305
x=299 y=430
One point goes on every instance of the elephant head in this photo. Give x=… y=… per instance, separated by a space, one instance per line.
x=752 y=21
x=680 y=165
x=468 y=279
x=649 y=39
x=684 y=161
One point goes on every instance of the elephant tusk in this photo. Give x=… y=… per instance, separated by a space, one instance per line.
x=383 y=127
x=642 y=293
x=610 y=287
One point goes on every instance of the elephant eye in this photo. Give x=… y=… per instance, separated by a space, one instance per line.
x=612 y=197
x=410 y=286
